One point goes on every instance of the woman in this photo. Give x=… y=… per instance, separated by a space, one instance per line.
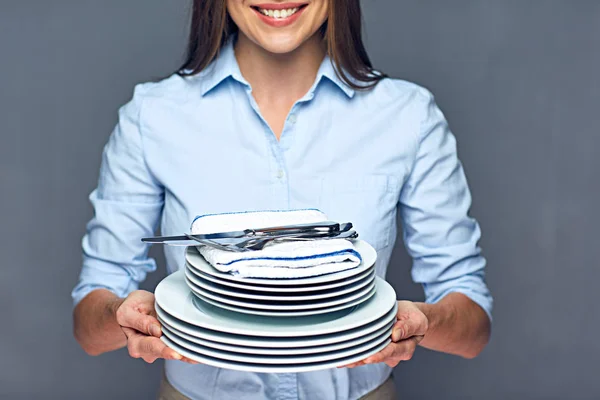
x=278 y=107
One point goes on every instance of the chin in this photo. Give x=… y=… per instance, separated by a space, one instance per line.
x=279 y=44
x=278 y=26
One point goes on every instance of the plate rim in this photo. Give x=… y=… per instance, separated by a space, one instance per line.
x=270 y=368
x=276 y=360
x=369 y=282
x=331 y=293
x=282 y=314
x=174 y=285
x=282 y=342
x=280 y=288
x=347 y=297
x=291 y=350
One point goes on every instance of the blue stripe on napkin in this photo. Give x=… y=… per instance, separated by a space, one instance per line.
x=251 y=212
x=336 y=253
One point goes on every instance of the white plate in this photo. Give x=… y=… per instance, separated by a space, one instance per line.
x=276 y=342
x=273 y=359
x=299 y=313
x=269 y=368
x=275 y=288
x=367 y=252
x=270 y=296
x=387 y=329
x=174 y=297
x=288 y=305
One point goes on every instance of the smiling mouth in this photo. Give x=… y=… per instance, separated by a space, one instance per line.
x=278 y=13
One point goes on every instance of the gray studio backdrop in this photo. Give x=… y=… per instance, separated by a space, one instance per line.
x=518 y=81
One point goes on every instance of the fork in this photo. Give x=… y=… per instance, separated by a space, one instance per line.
x=252 y=243
x=259 y=243
x=211 y=243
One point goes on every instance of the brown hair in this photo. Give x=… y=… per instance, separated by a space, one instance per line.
x=211 y=27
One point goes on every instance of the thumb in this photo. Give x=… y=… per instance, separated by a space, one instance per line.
x=146 y=324
x=406 y=329
x=149 y=325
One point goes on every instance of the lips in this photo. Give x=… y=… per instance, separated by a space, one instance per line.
x=279 y=6
x=279 y=14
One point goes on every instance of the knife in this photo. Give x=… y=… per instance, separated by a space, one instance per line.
x=319 y=228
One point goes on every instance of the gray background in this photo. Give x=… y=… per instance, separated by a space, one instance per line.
x=518 y=81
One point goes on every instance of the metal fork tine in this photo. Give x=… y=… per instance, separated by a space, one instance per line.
x=259 y=243
x=212 y=243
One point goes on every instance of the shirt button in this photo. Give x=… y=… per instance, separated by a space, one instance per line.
x=292 y=119
x=280 y=174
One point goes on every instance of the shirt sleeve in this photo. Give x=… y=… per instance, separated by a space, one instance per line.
x=434 y=203
x=127 y=205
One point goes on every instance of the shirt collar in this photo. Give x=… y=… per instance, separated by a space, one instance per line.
x=327 y=70
x=225 y=66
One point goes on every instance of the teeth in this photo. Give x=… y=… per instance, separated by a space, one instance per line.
x=279 y=14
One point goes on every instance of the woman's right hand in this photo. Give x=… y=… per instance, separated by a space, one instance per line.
x=137 y=318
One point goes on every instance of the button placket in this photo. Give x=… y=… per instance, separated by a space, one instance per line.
x=280 y=189
x=287 y=135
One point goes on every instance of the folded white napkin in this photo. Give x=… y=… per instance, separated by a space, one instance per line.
x=238 y=221
x=283 y=260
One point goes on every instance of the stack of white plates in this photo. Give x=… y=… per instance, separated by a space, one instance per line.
x=244 y=324
x=283 y=297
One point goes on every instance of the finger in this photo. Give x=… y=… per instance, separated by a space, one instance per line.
x=154 y=348
x=133 y=338
x=408 y=328
x=170 y=354
x=129 y=333
x=349 y=365
x=356 y=364
x=135 y=341
x=395 y=352
x=189 y=361
x=130 y=318
x=387 y=352
x=149 y=348
x=146 y=306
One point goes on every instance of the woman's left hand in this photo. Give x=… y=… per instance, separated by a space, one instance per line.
x=407 y=332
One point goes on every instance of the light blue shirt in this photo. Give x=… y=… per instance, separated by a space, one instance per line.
x=199 y=145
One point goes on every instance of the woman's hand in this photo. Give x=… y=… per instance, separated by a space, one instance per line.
x=407 y=332
x=137 y=318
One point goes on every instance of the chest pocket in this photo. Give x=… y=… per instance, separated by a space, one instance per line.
x=368 y=201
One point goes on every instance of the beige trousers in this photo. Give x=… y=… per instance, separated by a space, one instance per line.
x=387 y=391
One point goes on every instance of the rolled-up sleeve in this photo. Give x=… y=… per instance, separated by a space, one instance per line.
x=434 y=203
x=127 y=206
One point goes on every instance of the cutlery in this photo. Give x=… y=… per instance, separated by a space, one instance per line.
x=312 y=228
x=248 y=243
x=259 y=243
